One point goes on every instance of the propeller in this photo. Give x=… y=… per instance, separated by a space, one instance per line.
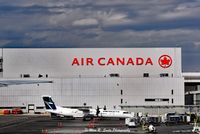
x=97 y=111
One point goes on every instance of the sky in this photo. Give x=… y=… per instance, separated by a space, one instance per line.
x=103 y=23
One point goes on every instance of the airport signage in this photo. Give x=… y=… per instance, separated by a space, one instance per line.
x=165 y=61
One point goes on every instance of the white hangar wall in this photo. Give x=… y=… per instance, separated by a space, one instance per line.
x=120 y=91
x=111 y=92
x=74 y=85
x=59 y=62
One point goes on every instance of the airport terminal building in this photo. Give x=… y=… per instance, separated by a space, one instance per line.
x=134 y=79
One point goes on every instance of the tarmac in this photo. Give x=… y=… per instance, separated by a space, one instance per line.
x=42 y=124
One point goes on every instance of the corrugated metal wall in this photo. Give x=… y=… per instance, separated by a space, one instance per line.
x=97 y=91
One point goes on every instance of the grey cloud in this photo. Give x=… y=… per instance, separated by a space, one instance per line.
x=85 y=22
x=4 y=42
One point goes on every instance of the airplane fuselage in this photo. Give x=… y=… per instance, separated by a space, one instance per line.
x=115 y=114
x=69 y=112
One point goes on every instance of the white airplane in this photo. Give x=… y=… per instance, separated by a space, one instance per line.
x=76 y=113
x=8 y=82
x=60 y=111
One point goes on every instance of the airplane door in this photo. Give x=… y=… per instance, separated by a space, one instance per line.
x=31 y=108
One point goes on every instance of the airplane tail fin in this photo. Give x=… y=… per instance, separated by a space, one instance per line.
x=49 y=104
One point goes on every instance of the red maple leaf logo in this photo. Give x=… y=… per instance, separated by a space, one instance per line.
x=165 y=61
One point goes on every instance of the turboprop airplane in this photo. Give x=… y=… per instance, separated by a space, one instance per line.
x=76 y=113
x=60 y=111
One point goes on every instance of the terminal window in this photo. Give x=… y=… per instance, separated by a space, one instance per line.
x=121 y=92
x=114 y=75
x=164 y=75
x=156 y=99
x=172 y=91
x=164 y=99
x=121 y=101
x=26 y=75
x=146 y=75
x=150 y=99
x=1 y=64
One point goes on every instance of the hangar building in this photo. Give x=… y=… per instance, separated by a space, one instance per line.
x=87 y=77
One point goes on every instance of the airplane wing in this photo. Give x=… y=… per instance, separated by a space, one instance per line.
x=5 y=83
